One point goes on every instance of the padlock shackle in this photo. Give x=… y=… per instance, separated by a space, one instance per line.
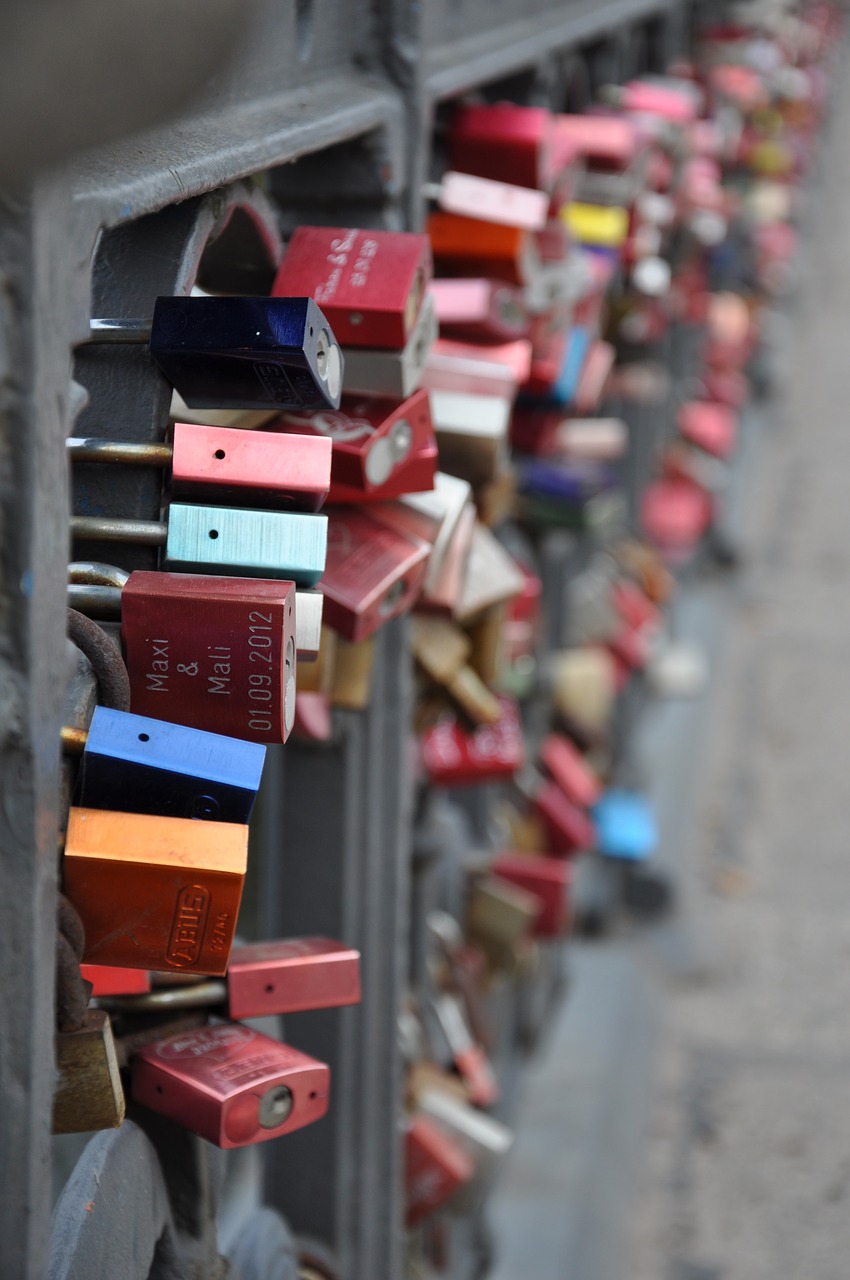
x=198 y=995
x=96 y=573
x=108 y=331
x=145 y=533
x=125 y=452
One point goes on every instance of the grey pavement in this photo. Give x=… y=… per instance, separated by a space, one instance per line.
x=689 y=1118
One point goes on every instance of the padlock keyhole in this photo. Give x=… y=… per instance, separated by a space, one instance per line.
x=219 y=453
x=213 y=533
x=144 y=737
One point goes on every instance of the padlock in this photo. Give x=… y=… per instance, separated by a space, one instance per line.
x=472 y=434
x=584 y=687
x=353 y=667
x=435 y=1167
x=318 y=676
x=489 y=200
x=493 y=576
x=608 y=143
x=500 y=919
x=569 y=829
x=88 y=1093
x=443 y=651
x=470 y=246
x=373 y=573
x=214 y=653
x=596 y=226
x=494 y=139
x=380 y=450
x=370 y=284
x=453 y=756
x=463 y=971
x=391 y=372
x=443 y=593
x=711 y=427
x=238 y=353
x=548 y=879
x=155 y=893
x=285 y=975
x=675 y=101
x=497 y=369
x=479 y=310
x=136 y=764
x=468 y=1058
x=112 y=980
x=625 y=825
x=230 y=1084
x=568 y=768
x=247 y=469
x=253 y=544
x=485 y=1139
x=675 y=515
x=434 y=516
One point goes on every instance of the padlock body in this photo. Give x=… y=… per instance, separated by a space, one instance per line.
x=570 y=770
x=479 y=310
x=394 y=372
x=213 y=653
x=500 y=140
x=155 y=893
x=370 y=284
x=568 y=827
x=214 y=1081
x=247 y=353
x=291 y=974
x=373 y=573
x=415 y=475
x=238 y=468
x=549 y=880
x=135 y=763
x=252 y=544
x=88 y=1093
x=111 y=980
x=371 y=438
x=454 y=756
x=471 y=246
x=435 y=1167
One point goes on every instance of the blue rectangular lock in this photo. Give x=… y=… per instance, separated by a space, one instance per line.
x=625 y=825
x=574 y=481
x=256 y=353
x=253 y=544
x=135 y=764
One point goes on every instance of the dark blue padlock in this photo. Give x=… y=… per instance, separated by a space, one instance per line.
x=134 y=764
x=239 y=353
x=572 y=481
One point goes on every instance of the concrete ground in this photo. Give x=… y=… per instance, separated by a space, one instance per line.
x=690 y=1116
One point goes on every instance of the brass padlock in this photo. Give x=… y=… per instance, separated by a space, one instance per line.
x=443 y=651
x=88 y=1093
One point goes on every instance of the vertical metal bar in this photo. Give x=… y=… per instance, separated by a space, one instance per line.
x=345 y=867
x=33 y=524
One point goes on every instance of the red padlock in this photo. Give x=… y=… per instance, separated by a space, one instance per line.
x=291 y=974
x=569 y=829
x=711 y=427
x=380 y=448
x=454 y=756
x=478 y=310
x=373 y=572
x=369 y=284
x=548 y=879
x=212 y=653
x=230 y=1084
x=501 y=140
x=570 y=770
x=435 y=1167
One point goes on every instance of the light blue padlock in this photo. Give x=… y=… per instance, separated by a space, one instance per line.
x=625 y=826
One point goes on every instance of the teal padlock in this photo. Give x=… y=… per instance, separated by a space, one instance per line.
x=224 y=540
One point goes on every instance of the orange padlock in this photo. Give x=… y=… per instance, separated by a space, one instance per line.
x=155 y=893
